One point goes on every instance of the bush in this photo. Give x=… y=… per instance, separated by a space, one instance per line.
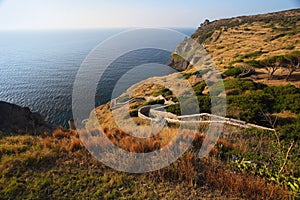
x=286 y=98
x=133 y=113
x=243 y=84
x=177 y=57
x=236 y=61
x=153 y=102
x=175 y=109
x=204 y=104
x=250 y=107
x=199 y=88
x=233 y=71
x=254 y=54
x=240 y=85
x=290 y=131
x=254 y=63
x=164 y=92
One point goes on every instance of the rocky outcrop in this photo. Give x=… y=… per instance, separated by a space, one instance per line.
x=20 y=120
x=179 y=65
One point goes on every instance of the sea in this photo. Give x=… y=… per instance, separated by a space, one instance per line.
x=38 y=68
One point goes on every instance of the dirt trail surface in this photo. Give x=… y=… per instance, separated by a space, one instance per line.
x=155 y=114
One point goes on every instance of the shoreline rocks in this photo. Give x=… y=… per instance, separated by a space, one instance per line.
x=21 y=120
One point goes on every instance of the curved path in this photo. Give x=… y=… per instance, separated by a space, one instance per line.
x=114 y=104
x=154 y=113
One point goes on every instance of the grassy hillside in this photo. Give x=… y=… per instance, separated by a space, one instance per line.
x=250 y=37
x=270 y=157
x=243 y=164
x=57 y=166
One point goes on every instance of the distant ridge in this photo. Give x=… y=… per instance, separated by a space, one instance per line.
x=248 y=37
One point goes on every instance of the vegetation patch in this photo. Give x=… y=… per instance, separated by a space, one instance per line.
x=164 y=92
x=233 y=71
x=153 y=102
x=253 y=55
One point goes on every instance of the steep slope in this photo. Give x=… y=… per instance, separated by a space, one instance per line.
x=57 y=165
x=248 y=37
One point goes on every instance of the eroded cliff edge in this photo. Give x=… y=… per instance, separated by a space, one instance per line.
x=21 y=120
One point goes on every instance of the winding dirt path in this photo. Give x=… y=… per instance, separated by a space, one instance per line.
x=154 y=113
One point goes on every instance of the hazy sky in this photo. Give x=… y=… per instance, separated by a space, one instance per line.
x=69 y=14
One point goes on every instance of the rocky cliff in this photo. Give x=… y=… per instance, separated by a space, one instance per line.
x=17 y=119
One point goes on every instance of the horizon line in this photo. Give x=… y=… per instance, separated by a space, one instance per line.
x=134 y=27
x=97 y=28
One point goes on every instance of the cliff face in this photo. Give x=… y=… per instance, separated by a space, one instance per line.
x=247 y=37
x=179 y=64
x=17 y=119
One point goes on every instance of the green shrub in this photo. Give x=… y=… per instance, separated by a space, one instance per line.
x=133 y=113
x=235 y=61
x=186 y=76
x=176 y=57
x=254 y=63
x=286 y=98
x=250 y=107
x=199 y=88
x=189 y=108
x=254 y=54
x=204 y=104
x=240 y=85
x=153 y=102
x=233 y=71
x=290 y=131
x=164 y=92
x=175 y=109
x=199 y=73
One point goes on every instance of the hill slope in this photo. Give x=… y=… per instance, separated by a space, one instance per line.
x=57 y=165
x=250 y=37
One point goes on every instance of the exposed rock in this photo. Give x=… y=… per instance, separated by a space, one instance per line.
x=20 y=120
x=179 y=65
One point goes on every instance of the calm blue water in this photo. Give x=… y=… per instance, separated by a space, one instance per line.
x=38 y=68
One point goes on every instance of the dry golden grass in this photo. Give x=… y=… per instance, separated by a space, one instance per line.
x=279 y=78
x=246 y=185
x=238 y=40
x=61 y=132
x=286 y=115
x=64 y=149
x=235 y=42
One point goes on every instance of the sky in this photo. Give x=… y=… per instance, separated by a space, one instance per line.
x=86 y=14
